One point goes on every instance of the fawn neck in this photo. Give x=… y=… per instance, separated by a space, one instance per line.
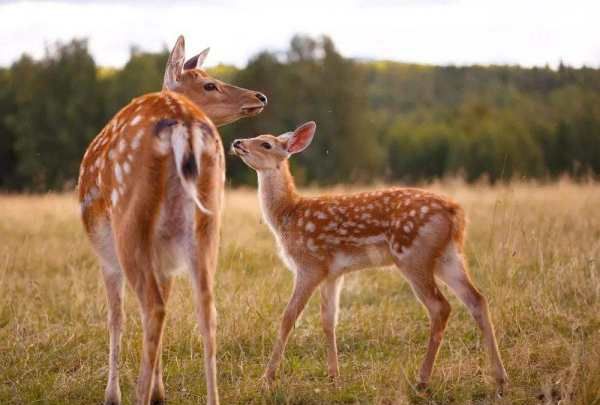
x=277 y=192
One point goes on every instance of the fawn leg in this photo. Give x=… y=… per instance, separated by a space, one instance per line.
x=330 y=298
x=304 y=286
x=423 y=285
x=453 y=272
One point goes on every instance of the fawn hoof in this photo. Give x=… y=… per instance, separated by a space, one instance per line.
x=501 y=384
x=334 y=378
x=112 y=397
x=422 y=389
x=501 y=388
x=267 y=380
x=158 y=398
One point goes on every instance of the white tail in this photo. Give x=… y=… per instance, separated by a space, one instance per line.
x=187 y=153
x=322 y=238
x=150 y=189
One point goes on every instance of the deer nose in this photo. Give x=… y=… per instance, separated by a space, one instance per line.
x=262 y=98
x=237 y=143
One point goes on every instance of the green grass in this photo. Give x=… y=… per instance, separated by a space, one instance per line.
x=533 y=250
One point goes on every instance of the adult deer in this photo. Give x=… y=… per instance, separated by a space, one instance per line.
x=322 y=238
x=150 y=188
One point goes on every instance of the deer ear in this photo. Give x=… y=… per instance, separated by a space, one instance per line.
x=301 y=137
x=195 y=62
x=174 y=65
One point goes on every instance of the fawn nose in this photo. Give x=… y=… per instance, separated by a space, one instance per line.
x=262 y=98
x=236 y=144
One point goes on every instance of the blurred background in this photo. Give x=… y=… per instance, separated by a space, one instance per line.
x=402 y=91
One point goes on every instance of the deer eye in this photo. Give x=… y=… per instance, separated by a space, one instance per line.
x=210 y=87
x=266 y=145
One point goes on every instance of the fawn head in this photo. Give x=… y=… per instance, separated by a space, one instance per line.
x=268 y=151
x=222 y=102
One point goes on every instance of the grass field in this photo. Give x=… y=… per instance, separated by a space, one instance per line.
x=533 y=250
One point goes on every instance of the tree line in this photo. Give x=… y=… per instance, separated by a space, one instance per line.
x=382 y=120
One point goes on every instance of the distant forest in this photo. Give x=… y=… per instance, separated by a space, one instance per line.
x=376 y=120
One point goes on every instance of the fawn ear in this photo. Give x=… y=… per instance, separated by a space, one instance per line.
x=174 y=65
x=301 y=137
x=195 y=62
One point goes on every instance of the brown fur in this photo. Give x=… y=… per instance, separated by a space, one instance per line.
x=322 y=238
x=146 y=217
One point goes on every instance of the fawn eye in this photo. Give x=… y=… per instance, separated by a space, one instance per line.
x=266 y=145
x=210 y=87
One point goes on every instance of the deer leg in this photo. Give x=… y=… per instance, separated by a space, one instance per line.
x=113 y=281
x=304 y=286
x=438 y=309
x=453 y=272
x=330 y=298
x=140 y=271
x=153 y=318
x=158 y=390
x=202 y=278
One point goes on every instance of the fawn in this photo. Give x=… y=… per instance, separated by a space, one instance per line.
x=322 y=238
x=151 y=189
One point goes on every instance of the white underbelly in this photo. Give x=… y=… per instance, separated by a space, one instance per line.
x=368 y=256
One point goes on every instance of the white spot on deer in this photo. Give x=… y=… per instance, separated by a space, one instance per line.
x=129 y=157
x=310 y=244
x=114 y=197
x=126 y=167
x=435 y=206
x=407 y=202
x=310 y=227
x=135 y=142
x=333 y=240
x=365 y=215
x=306 y=213
x=412 y=213
x=136 y=119
x=320 y=215
x=330 y=226
x=300 y=221
x=122 y=145
x=386 y=200
x=370 y=206
x=342 y=231
x=406 y=228
x=112 y=154
x=118 y=173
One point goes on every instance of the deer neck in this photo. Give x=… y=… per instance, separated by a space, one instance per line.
x=278 y=195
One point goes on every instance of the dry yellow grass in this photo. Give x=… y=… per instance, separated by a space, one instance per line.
x=533 y=250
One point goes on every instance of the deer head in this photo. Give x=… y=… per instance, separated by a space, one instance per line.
x=268 y=151
x=222 y=102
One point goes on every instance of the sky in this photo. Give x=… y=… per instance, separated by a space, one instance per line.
x=460 y=32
